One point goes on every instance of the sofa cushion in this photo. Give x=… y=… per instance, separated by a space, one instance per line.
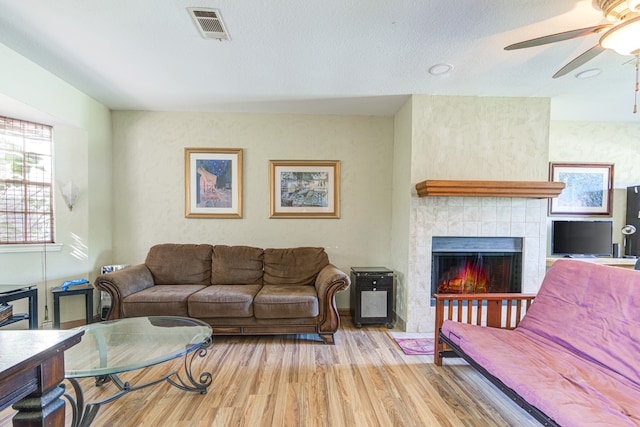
x=159 y=300
x=175 y=264
x=223 y=301
x=285 y=302
x=293 y=266
x=236 y=265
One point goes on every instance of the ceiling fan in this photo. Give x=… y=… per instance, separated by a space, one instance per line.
x=621 y=35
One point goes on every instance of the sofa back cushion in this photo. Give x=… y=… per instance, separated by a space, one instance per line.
x=293 y=266
x=592 y=311
x=237 y=265
x=176 y=264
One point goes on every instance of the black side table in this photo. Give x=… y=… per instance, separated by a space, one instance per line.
x=10 y=293
x=58 y=293
x=372 y=295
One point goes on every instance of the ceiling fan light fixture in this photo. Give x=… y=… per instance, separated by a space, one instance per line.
x=623 y=38
x=617 y=10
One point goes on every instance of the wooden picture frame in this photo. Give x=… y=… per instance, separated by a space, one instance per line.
x=213 y=182
x=304 y=189
x=588 y=191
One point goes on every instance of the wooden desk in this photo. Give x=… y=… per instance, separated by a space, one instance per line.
x=614 y=262
x=31 y=370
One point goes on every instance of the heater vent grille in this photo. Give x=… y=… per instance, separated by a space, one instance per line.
x=209 y=23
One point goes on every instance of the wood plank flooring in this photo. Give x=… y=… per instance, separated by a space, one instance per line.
x=297 y=380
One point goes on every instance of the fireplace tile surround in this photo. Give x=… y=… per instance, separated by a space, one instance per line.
x=469 y=216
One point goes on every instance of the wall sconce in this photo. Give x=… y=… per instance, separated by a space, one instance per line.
x=69 y=194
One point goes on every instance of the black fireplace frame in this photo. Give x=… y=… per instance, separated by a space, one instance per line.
x=465 y=245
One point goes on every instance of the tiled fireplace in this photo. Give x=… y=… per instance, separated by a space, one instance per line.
x=467 y=265
x=513 y=217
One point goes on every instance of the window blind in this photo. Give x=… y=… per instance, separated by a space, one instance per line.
x=26 y=188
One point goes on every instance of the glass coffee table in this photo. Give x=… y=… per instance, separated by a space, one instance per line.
x=113 y=347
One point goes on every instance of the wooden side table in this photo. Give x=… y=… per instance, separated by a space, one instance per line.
x=58 y=293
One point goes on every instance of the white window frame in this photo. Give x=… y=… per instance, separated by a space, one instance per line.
x=26 y=185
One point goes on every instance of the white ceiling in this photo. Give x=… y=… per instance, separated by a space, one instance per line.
x=317 y=56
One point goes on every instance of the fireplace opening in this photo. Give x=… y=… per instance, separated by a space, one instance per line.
x=465 y=265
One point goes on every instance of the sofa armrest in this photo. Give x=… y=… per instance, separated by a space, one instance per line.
x=122 y=283
x=330 y=280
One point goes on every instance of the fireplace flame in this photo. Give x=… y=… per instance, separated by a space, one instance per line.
x=470 y=278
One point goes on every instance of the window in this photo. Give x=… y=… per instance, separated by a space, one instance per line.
x=26 y=208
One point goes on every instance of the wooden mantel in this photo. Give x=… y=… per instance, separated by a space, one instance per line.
x=531 y=189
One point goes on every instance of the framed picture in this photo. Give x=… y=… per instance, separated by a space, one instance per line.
x=213 y=182
x=588 y=189
x=304 y=189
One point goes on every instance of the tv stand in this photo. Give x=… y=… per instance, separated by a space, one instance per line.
x=614 y=262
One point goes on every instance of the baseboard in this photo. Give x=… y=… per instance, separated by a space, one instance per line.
x=75 y=323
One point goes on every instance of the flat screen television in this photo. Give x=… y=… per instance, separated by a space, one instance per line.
x=582 y=238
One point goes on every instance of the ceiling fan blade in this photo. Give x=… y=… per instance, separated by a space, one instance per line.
x=558 y=37
x=580 y=60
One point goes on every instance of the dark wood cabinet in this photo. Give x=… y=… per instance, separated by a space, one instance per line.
x=31 y=370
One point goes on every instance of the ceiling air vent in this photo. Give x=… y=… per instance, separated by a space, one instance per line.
x=209 y=23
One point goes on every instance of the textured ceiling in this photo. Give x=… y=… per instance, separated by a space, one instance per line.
x=317 y=56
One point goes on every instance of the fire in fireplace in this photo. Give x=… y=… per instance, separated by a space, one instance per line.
x=464 y=265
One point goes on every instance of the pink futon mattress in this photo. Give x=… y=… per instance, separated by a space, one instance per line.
x=576 y=354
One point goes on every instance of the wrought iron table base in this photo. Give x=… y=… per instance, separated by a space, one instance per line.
x=84 y=414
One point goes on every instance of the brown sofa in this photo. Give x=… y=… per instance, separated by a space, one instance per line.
x=238 y=290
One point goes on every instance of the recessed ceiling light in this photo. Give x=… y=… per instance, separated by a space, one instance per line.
x=587 y=74
x=440 y=69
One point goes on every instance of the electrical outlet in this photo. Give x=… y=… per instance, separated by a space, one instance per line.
x=47 y=325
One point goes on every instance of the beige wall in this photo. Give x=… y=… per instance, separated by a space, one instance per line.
x=431 y=137
x=479 y=138
x=148 y=173
x=601 y=142
x=82 y=138
x=476 y=138
x=401 y=205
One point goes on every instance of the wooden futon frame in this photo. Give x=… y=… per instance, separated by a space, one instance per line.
x=495 y=310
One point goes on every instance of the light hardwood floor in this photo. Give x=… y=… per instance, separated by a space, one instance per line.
x=364 y=380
